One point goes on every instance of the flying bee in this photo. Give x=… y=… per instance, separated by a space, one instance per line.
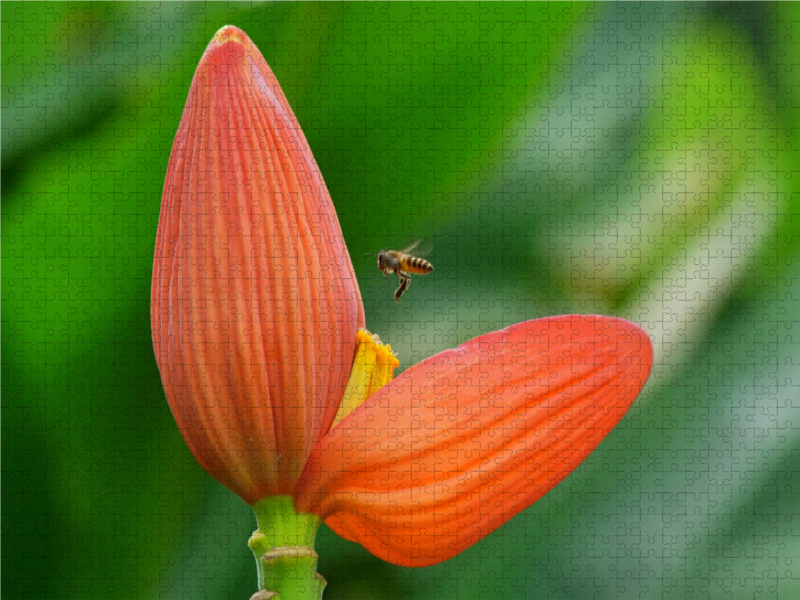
x=402 y=264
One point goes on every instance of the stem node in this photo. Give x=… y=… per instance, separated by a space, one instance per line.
x=283 y=546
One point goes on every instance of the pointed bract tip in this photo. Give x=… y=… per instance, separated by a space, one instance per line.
x=228 y=42
x=229 y=34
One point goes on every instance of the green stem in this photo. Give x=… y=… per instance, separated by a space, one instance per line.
x=283 y=546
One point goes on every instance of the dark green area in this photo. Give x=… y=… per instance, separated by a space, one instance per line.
x=623 y=159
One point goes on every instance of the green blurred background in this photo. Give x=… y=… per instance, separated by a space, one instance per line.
x=625 y=159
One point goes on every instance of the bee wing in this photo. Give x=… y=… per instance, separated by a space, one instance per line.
x=422 y=252
x=411 y=247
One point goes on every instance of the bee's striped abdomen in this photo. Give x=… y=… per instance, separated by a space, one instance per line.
x=412 y=264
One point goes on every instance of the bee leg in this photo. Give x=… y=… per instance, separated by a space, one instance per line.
x=405 y=283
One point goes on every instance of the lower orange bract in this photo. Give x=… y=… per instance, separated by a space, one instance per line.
x=460 y=443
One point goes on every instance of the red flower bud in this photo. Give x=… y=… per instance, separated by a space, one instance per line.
x=255 y=305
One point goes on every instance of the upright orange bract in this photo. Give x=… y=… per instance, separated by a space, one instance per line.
x=282 y=395
x=255 y=305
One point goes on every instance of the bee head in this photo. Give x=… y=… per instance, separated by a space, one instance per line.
x=381 y=256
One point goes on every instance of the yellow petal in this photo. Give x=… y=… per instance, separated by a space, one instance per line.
x=373 y=368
